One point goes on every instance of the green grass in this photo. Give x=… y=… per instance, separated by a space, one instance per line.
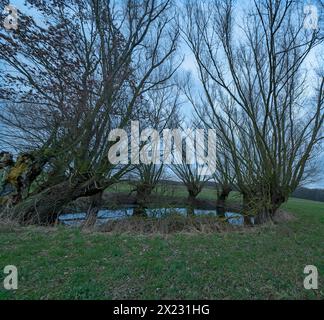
x=264 y=263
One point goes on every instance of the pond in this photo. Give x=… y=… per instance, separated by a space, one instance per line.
x=104 y=216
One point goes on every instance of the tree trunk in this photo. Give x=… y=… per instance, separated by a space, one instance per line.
x=94 y=208
x=140 y=211
x=266 y=215
x=253 y=209
x=247 y=207
x=221 y=201
x=142 y=198
x=17 y=177
x=191 y=203
x=45 y=207
x=263 y=217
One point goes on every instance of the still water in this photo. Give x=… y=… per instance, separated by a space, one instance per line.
x=75 y=219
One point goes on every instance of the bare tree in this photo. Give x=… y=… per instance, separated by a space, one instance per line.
x=224 y=175
x=224 y=178
x=164 y=114
x=69 y=81
x=254 y=85
x=191 y=177
x=188 y=169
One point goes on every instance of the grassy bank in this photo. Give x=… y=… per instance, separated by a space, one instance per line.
x=262 y=263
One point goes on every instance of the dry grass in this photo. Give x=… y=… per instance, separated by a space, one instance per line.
x=284 y=216
x=7 y=222
x=168 y=225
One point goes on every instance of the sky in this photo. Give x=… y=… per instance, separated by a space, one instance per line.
x=189 y=66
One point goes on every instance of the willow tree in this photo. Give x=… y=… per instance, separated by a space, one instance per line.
x=194 y=181
x=187 y=166
x=71 y=76
x=224 y=177
x=164 y=113
x=255 y=91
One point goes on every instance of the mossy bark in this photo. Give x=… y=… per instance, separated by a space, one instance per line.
x=45 y=207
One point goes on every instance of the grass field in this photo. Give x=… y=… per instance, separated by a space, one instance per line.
x=208 y=193
x=262 y=263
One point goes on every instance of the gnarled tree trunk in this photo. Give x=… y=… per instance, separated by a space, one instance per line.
x=143 y=193
x=45 y=207
x=264 y=209
x=266 y=214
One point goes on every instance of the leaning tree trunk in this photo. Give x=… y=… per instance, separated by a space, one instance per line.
x=94 y=208
x=45 y=207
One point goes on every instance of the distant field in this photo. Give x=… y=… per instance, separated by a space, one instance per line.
x=262 y=263
x=208 y=193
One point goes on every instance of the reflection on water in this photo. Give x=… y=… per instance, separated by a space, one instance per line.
x=75 y=219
